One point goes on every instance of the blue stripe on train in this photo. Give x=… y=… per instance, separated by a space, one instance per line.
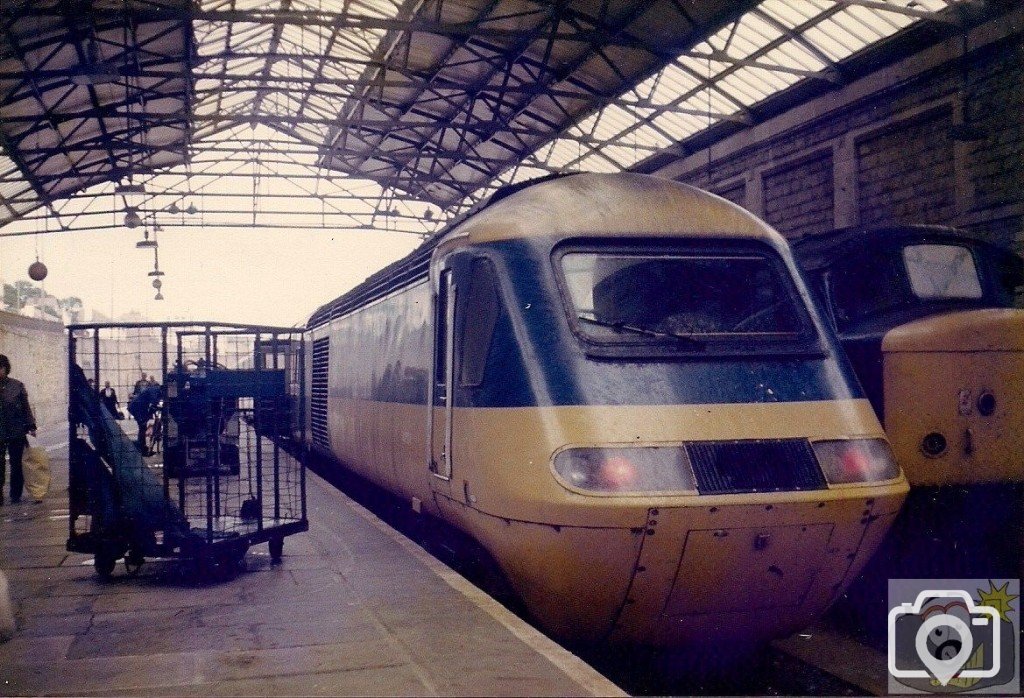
x=546 y=365
x=383 y=353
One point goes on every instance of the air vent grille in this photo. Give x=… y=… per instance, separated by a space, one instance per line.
x=728 y=467
x=318 y=391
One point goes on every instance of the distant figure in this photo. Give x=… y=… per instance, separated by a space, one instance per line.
x=152 y=381
x=109 y=397
x=141 y=408
x=16 y=420
x=139 y=385
x=92 y=385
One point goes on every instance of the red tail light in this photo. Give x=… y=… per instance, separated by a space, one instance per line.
x=856 y=460
x=618 y=472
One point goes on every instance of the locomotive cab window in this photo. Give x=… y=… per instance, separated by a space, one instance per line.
x=477 y=319
x=867 y=285
x=883 y=281
x=942 y=271
x=692 y=300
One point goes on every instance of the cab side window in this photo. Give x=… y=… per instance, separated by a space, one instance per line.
x=480 y=311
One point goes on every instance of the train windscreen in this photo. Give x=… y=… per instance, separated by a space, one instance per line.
x=941 y=271
x=632 y=298
x=871 y=284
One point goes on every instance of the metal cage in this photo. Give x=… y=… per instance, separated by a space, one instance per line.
x=200 y=463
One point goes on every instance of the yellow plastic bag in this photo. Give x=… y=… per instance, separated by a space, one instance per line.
x=35 y=464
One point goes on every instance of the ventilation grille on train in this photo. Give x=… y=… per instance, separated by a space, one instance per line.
x=318 y=391
x=727 y=467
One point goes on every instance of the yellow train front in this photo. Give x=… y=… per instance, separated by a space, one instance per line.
x=618 y=386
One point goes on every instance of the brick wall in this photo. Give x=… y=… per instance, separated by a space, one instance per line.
x=996 y=103
x=736 y=193
x=798 y=197
x=877 y=155
x=905 y=173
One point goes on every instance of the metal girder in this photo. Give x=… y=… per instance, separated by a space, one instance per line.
x=538 y=102
x=350 y=21
x=67 y=106
x=432 y=100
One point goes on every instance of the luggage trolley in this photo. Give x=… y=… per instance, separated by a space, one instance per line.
x=216 y=466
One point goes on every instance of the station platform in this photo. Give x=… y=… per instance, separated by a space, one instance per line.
x=354 y=609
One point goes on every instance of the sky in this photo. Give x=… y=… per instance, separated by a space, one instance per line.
x=257 y=276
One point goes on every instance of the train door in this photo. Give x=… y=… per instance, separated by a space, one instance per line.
x=441 y=415
x=466 y=311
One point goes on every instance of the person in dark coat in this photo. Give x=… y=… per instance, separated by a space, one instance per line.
x=109 y=397
x=139 y=385
x=16 y=420
x=141 y=408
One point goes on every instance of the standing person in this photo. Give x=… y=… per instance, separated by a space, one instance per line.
x=139 y=385
x=141 y=408
x=16 y=420
x=109 y=397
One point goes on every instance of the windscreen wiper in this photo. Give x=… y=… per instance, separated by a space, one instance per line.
x=685 y=339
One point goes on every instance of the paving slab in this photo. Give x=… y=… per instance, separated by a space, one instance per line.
x=355 y=609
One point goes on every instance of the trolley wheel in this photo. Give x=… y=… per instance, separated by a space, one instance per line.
x=276 y=546
x=133 y=562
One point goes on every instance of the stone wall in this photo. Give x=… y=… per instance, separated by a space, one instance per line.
x=39 y=359
x=883 y=149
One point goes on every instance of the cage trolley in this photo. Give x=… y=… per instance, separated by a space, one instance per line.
x=185 y=442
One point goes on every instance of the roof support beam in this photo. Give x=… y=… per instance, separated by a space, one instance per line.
x=348 y=21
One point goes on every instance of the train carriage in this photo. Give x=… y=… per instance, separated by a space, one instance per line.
x=618 y=385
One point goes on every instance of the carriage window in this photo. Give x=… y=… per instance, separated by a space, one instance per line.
x=632 y=298
x=942 y=271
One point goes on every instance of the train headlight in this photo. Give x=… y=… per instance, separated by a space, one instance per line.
x=856 y=460
x=626 y=470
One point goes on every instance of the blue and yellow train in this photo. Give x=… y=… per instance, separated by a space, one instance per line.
x=620 y=387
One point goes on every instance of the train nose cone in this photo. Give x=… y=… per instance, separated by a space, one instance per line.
x=954 y=386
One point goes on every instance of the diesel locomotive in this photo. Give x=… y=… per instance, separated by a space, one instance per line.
x=926 y=314
x=619 y=386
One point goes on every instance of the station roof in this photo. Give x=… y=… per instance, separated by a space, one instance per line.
x=388 y=114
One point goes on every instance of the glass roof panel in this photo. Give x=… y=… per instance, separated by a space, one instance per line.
x=614 y=120
x=651 y=138
x=746 y=91
x=753 y=24
x=741 y=38
x=772 y=47
x=794 y=55
x=562 y=153
x=680 y=125
x=792 y=13
x=672 y=82
x=598 y=162
x=314 y=68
